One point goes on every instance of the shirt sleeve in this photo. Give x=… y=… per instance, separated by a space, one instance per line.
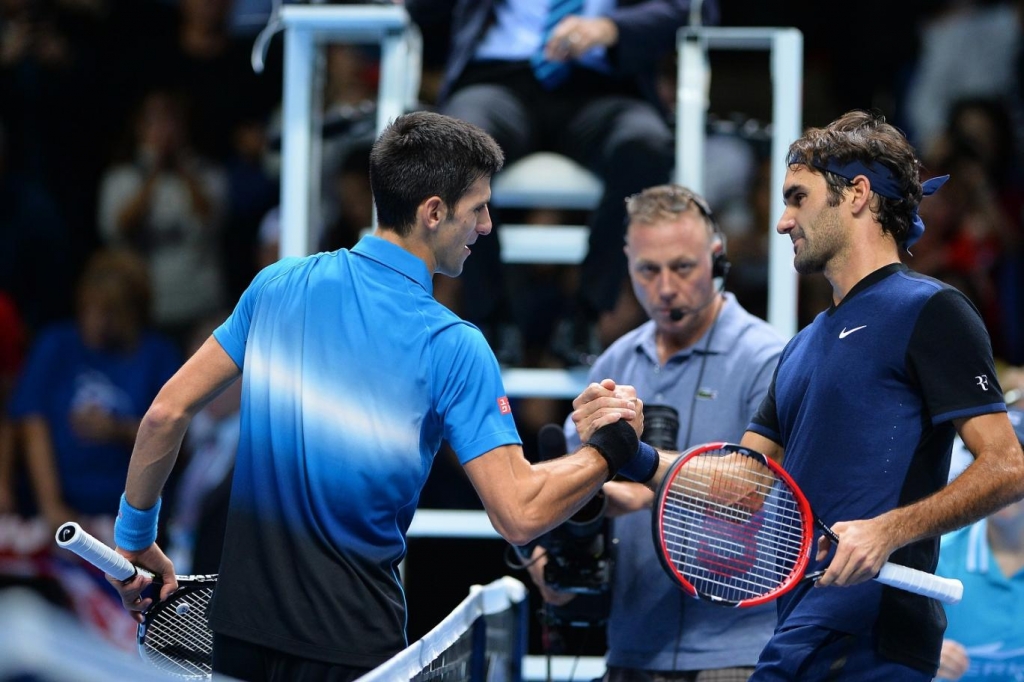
x=471 y=403
x=766 y=420
x=233 y=334
x=950 y=357
x=36 y=377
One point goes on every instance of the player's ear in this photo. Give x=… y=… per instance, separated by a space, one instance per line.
x=431 y=212
x=859 y=192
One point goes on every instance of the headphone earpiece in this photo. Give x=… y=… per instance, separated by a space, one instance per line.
x=720 y=265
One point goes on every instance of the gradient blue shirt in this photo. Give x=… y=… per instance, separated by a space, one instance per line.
x=352 y=376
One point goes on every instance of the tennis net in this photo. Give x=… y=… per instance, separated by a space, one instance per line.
x=482 y=640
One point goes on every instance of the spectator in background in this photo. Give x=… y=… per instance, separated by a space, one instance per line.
x=52 y=104
x=35 y=260
x=86 y=385
x=582 y=85
x=167 y=203
x=202 y=59
x=350 y=190
x=967 y=50
x=12 y=349
x=252 y=190
x=975 y=243
x=984 y=639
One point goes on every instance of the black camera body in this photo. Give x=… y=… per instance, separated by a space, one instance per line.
x=577 y=551
x=580 y=559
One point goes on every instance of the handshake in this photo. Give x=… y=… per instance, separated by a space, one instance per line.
x=614 y=437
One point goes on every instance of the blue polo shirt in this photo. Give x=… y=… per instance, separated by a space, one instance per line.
x=352 y=376
x=989 y=622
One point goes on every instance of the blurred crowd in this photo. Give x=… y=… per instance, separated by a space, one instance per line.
x=139 y=184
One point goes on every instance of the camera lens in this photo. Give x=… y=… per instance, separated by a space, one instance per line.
x=661 y=426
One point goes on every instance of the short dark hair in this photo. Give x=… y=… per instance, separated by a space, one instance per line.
x=423 y=154
x=865 y=137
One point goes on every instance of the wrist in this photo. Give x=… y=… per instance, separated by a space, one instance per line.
x=617 y=443
x=643 y=466
x=135 y=529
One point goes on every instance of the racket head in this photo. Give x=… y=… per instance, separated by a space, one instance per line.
x=174 y=635
x=730 y=526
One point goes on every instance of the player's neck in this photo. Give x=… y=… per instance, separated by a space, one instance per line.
x=857 y=262
x=410 y=243
x=1007 y=549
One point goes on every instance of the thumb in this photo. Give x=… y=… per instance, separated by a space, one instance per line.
x=824 y=547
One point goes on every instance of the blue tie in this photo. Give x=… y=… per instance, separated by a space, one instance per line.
x=552 y=74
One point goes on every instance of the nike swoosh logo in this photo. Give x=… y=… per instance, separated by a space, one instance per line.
x=843 y=334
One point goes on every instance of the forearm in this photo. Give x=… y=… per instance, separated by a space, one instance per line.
x=529 y=500
x=987 y=485
x=42 y=465
x=159 y=439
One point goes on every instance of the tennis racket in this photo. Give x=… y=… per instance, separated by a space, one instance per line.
x=174 y=635
x=731 y=526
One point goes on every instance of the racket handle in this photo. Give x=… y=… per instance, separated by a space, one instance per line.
x=70 y=536
x=946 y=590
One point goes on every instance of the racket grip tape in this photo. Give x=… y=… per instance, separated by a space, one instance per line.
x=946 y=590
x=72 y=537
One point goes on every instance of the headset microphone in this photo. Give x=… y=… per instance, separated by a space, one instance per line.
x=676 y=314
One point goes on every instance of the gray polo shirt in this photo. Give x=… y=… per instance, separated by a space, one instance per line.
x=720 y=380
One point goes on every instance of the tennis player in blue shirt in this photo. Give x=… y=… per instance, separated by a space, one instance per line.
x=352 y=374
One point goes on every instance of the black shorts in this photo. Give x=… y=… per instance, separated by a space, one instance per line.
x=254 y=663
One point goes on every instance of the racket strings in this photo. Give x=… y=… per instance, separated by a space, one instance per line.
x=177 y=638
x=732 y=528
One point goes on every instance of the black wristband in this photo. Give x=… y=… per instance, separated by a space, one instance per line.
x=617 y=443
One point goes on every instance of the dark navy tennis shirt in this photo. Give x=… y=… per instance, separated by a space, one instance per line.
x=863 y=401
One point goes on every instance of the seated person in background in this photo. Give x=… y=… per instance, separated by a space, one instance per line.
x=577 y=78
x=984 y=637
x=84 y=388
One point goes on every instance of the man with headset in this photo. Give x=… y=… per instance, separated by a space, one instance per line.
x=711 y=361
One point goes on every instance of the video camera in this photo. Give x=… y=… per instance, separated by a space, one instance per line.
x=579 y=551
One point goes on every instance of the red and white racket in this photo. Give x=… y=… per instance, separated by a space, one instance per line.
x=174 y=635
x=732 y=527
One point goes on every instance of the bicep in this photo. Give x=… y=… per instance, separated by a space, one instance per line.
x=208 y=372
x=493 y=472
x=990 y=436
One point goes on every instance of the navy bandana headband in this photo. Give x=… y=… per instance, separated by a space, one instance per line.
x=882 y=183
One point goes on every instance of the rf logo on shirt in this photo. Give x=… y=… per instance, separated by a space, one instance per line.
x=982 y=381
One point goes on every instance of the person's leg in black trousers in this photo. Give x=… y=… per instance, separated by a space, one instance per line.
x=628 y=143
x=499 y=110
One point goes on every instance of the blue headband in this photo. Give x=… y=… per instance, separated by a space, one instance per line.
x=882 y=183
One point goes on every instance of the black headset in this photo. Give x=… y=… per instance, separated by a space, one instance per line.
x=720 y=264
